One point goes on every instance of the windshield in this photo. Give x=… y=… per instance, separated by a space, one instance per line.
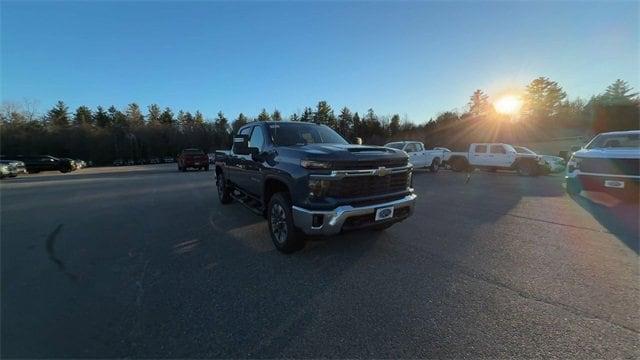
x=398 y=146
x=295 y=133
x=524 y=150
x=615 y=141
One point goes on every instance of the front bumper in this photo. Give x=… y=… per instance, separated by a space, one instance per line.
x=598 y=182
x=348 y=217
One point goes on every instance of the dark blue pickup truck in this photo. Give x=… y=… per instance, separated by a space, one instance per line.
x=306 y=179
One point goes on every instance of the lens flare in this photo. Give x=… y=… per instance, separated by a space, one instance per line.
x=509 y=104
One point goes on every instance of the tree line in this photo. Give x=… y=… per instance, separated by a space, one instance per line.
x=102 y=135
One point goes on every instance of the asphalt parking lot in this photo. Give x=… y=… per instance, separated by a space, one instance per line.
x=145 y=262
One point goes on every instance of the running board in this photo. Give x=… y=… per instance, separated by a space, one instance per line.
x=249 y=203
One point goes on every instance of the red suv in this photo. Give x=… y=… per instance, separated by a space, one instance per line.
x=193 y=158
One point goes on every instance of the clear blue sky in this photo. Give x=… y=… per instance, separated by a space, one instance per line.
x=413 y=58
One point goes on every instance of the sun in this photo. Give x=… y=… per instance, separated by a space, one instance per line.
x=508 y=104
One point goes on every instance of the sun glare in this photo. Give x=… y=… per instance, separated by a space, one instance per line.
x=509 y=104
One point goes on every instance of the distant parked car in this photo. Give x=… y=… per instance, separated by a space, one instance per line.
x=168 y=159
x=7 y=169
x=118 y=162
x=80 y=164
x=154 y=161
x=553 y=164
x=496 y=156
x=37 y=163
x=18 y=165
x=130 y=162
x=193 y=158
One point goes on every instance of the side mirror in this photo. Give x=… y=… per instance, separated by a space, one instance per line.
x=358 y=141
x=241 y=145
x=575 y=148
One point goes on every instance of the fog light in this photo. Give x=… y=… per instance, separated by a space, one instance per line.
x=317 y=220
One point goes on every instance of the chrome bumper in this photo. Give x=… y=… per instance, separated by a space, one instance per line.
x=334 y=219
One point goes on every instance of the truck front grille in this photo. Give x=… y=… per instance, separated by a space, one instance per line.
x=368 y=164
x=611 y=166
x=361 y=186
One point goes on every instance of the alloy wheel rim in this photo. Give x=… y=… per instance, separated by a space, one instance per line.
x=278 y=223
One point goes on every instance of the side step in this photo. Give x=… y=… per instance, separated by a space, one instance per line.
x=250 y=203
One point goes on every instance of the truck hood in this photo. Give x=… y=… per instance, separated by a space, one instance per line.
x=609 y=153
x=341 y=152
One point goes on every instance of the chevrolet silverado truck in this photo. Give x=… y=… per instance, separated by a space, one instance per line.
x=609 y=163
x=419 y=156
x=305 y=179
x=193 y=158
x=496 y=156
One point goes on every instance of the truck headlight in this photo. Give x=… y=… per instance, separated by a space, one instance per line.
x=573 y=164
x=311 y=164
x=318 y=188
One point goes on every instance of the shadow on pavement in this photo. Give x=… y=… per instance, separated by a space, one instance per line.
x=620 y=218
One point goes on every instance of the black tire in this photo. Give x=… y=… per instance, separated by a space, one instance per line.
x=459 y=165
x=526 y=168
x=381 y=227
x=435 y=166
x=285 y=236
x=224 y=193
x=573 y=187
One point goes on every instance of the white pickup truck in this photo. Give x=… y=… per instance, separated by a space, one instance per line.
x=419 y=157
x=495 y=156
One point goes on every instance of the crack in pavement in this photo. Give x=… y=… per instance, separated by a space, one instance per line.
x=50 y=247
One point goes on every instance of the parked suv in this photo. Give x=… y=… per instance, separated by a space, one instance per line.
x=307 y=180
x=610 y=163
x=193 y=158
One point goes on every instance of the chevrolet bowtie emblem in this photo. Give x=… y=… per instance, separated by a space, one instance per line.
x=382 y=171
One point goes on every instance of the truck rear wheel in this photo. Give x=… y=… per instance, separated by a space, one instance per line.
x=224 y=193
x=286 y=237
x=458 y=165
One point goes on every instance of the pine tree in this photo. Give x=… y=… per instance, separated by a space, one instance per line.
x=479 y=103
x=101 y=118
x=198 y=118
x=307 y=114
x=82 y=116
x=345 y=123
x=134 y=115
x=276 y=116
x=394 y=125
x=264 y=116
x=117 y=118
x=166 y=118
x=543 y=99
x=58 y=116
x=154 y=114
x=618 y=93
x=324 y=115
x=239 y=122
x=294 y=117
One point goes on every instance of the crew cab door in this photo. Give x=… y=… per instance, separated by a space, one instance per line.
x=499 y=157
x=416 y=154
x=252 y=177
x=234 y=162
x=479 y=156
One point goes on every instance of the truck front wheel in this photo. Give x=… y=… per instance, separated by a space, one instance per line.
x=286 y=237
x=526 y=169
x=435 y=166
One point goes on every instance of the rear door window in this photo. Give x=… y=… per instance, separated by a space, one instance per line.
x=480 y=149
x=498 y=149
